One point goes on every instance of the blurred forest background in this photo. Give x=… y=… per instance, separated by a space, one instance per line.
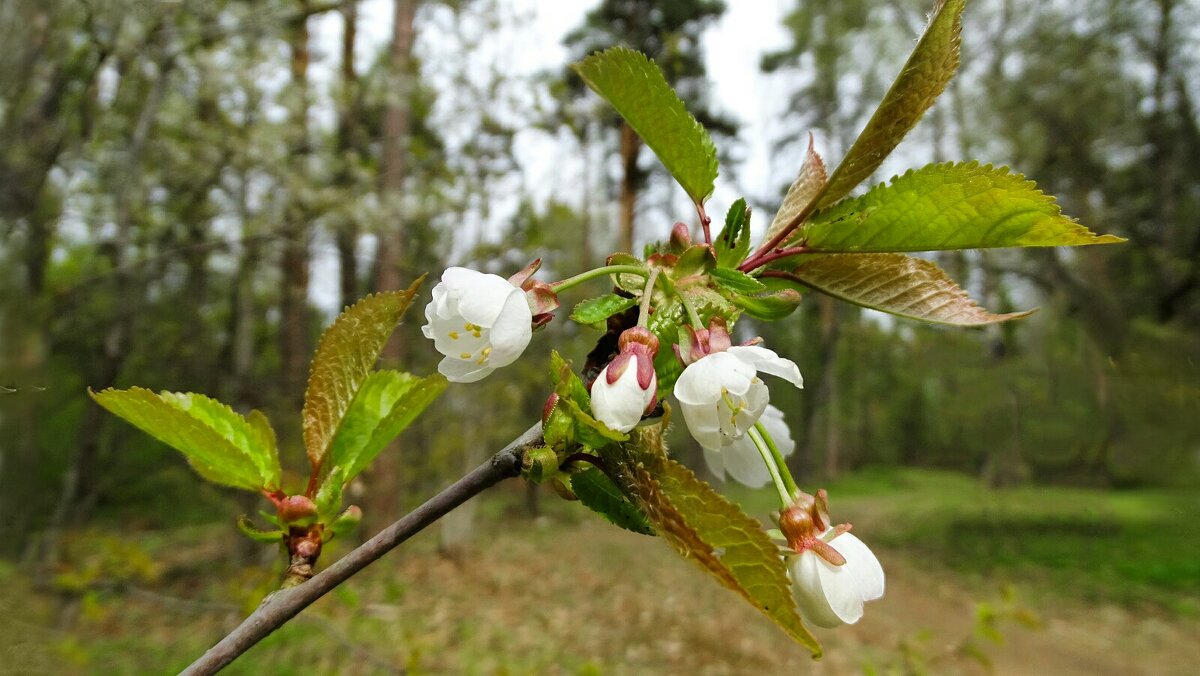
x=190 y=190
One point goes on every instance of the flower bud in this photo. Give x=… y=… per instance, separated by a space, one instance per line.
x=681 y=237
x=699 y=343
x=297 y=510
x=626 y=389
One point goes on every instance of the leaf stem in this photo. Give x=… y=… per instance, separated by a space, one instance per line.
x=780 y=463
x=785 y=497
x=759 y=260
x=598 y=272
x=644 y=311
x=285 y=604
x=705 y=222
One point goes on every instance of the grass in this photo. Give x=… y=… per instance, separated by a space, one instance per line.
x=568 y=594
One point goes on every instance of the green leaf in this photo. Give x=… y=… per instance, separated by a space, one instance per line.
x=897 y=284
x=263 y=436
x=923 y=77
x=636 y=88
x=345 y=356
x=733 y=242
x=329 y=496
x=597 y=492
x=386 y=403
x=798 y=201
x=708 y=529
x=736 y=281
x=218 y=443
x=257 y=534
x=946 y=206
x=771 y=306
x=595 y=310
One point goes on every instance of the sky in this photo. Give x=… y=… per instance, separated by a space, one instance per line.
x=529 y=41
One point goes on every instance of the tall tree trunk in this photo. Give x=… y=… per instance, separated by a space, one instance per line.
x=391 y=257
x=348 y=154
x=396 y=123
x=294 y=263
x=822 y=425
x=631 y=144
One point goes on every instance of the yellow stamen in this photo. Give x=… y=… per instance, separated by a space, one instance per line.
x=453 y=335
x=465 y=355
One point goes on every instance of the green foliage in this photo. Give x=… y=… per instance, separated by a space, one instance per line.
x=800 y=195
x=575 y=401
x=946 y=206
x=733 y=242
x=902 y=285
x=923 y=77
x=345 y=356
x=736 y=281
x=329 y=496
x=595 y=310
x=708 y=529
x=598 y=493
x=218 y=443
x=636 y=88
x=771 y=306
x=386 y=403
x=257 y=534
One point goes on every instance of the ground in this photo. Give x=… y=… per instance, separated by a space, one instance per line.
x=1108 y=584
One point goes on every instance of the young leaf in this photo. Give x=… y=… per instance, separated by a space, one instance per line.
x=736 y=281
x=329 y=496
x=386 y=403
x=733 y=242
x=897 y=284
x=706 y=528
x=636 y=88
x=946 y=206
x=771 y=306
x=257 y=534
x=345 y=355
x=596 y=310
x=923 y=77
x=597 y=492
x=219 y=444
x=264 y=438
x=804 y=189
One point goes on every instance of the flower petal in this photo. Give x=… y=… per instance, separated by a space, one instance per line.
x=745 y=464
x=841 y=589
x=767 y=361
x=703 y=421
x=808 y=588
x=481 y=296
x=512 y=331
x=716 y=462
x=862 y=564
x=463 y=371
x=619 y=405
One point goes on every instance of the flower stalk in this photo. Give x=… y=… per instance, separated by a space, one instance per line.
x=598 y=272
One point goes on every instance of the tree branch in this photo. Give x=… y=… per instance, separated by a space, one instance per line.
x=285 y=604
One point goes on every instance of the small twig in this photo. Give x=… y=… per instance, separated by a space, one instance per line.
x=285 y=604
x=705 y=221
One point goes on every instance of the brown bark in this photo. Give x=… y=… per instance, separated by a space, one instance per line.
x=391 y=254
x=294 y=263
x=348 y=153
x=631 y=144
x=384 y=478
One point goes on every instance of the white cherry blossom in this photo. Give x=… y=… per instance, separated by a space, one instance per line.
x=479 y=321
x=829 y=595
x=722 y=396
